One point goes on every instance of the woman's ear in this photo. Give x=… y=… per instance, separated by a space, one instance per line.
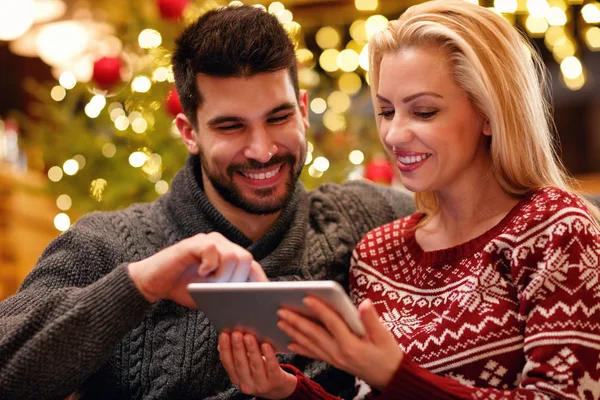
x=487 y=128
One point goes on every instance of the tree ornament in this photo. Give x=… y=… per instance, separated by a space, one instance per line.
x=107 y=72
x=172 y=102
x=171 y=9
x=379 y=170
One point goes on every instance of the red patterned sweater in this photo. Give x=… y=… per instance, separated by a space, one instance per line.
x=512 y=314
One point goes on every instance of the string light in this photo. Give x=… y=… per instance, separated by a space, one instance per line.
x=62 y=222
x=58 y=93
x=366 y=5
x=149 y=39
x=109 y=150
x=67 y=80
x=55 y=174
x=161 y=187
x=71 y=167
x=356 y=157
x=64 y=202
x=318 y=105
x=327 y=37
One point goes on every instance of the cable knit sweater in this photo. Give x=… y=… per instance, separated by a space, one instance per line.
x=78 y=323
x=512 y=314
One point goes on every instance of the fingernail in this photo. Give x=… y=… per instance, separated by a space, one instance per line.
x=282 y=313
x=308 y=301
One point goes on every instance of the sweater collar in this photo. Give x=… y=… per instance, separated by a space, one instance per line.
x=193 y=213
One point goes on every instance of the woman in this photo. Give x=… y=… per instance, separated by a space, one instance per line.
x=492 y=289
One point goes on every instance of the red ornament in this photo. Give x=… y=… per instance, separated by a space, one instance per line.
x=171 y=9
x=379 y=170
x=172 y=102
x=107 y=72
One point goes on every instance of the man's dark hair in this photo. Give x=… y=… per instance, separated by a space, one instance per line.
x=239 y=41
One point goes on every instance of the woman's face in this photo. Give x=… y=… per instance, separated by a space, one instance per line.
x=428 y=122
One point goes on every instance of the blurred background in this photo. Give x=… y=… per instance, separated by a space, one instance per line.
x=87 y=101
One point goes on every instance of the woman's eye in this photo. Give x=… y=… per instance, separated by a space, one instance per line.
x=386 y=113
x=425 y=114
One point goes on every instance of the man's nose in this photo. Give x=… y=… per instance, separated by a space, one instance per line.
x=262 y=147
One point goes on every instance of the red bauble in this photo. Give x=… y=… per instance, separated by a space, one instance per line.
x=107 y=72
x=171 y=9
x=172 y=102
x=379 y=170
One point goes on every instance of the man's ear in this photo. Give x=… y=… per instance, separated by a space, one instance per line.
x=187 y=131
x=303 y=104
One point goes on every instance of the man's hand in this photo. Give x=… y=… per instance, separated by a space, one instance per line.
x=201 y=258
x=255 y=370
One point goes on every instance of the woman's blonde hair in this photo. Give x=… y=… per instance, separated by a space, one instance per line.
x=505 y=80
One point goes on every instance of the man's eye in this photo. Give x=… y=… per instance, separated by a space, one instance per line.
x=226 y=128
x=279 y=119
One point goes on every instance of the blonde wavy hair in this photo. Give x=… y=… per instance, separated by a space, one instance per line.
x=505 y=80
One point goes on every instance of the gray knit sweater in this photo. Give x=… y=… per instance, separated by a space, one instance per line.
x=78 y=324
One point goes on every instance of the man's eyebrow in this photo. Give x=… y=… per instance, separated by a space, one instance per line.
x=411 y=97
x=233 y=119
x=284 y=106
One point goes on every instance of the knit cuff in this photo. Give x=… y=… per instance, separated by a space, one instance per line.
x=412 y=382
x=306 y=389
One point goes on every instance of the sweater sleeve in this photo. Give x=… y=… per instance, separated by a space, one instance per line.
x=557 y=273
x=67 y=317
x=305 y=388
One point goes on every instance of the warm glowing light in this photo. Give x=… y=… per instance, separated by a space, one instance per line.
x=356 y=157
x=64 y=202
x=536 y=26
x=276 y=7
x=556 y=16
x=506 y=6
x=315 y=173
x=358 y=30
x=160 y=74
x=161 y=187
x=55 y=174
x=571 y=67
x=91 y=111
x=338 y=101
x=16 y=18
x=563 y=48
x=141 y=84
x=321 y=164
x=592 y=38
x=149 y=39
x=60 y=43
x=327 y=37
x=328 y=60
x=363 y=58
x=576 y=83
x=347 y=60
x=109 y=150
x=58 y=93
x=139 y=125
x=67 y=80
x=334 y=121
x=310 y=147
x=285 y=16
x=80 y=160
x=366 y=5
x=71 y=167
x=538 y=8
x=309 y=157
x=97 y=188
x=122 y=122
x=553 y=35
x=591 y=13
x=375 y=24
x=62 y=222
x=116 y=113
x=350 y=83
x=137 y=159
x=318 y=105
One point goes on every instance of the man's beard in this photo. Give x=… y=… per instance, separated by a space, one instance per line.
x=267 y=203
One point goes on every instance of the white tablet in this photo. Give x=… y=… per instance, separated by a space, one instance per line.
x=252 y=306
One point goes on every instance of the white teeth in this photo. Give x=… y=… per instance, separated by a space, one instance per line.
x=262 y=175
x=413 y=159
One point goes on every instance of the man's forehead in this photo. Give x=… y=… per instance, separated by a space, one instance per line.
x=253 y=95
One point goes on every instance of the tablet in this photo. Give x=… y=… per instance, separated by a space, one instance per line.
x=252 y=306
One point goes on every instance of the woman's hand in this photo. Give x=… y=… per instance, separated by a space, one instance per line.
x=254 y=370
x=373 y=358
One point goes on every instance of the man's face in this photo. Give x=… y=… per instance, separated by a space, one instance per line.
x=251 y=139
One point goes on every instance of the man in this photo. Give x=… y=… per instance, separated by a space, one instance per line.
x=105 y=312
